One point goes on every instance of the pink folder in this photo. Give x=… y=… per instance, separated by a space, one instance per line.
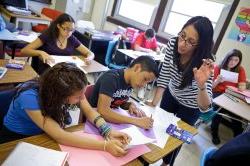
x=78 y=156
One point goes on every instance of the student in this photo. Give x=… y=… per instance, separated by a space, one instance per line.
x=233 y=153
x=114 y=88
x=146 y=42
x=40 y=106
x=231 y=62
x=185 y=82
x=56 y=40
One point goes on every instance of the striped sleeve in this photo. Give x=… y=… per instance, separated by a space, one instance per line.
x=164 y=77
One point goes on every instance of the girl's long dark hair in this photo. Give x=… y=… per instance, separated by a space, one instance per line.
x=53 y=31
x=224 y=63
x=55 y=86
x=204 y=28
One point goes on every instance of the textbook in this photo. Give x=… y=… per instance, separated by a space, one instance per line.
x=3 y=70
x=15 y=64
x=243 y=95
x=26 y=154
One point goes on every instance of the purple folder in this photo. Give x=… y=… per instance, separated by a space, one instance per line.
x=91 y=129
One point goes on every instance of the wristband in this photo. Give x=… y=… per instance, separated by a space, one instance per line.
x=96 y=119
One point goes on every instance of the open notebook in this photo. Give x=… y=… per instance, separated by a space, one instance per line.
x=26 y=154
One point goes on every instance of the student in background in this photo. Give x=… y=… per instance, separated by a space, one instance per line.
x=231 y=62
x=56 y=40
x=40 y=106
x=185 y=81
x=113 y=89
x=233 y=152
x=146 y=42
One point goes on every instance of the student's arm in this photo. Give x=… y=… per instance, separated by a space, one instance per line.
x=103 y=107
x=31 y=50
x=242 y=79
x=137 y=47
x=87 y=54
x=53 y=129
x=157 y=97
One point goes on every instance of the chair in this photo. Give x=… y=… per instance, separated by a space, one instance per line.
x=6 y=97
x=207 y=155
x=89 y=91
x=51 y=13
x=110 y=51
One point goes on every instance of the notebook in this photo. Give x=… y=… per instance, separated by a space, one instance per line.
x=3 y=70
x=26 y=154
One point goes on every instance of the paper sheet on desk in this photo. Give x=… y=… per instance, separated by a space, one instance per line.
x=162 y=119
x=78 y=156
x=90 y=128
x=71 y=59
x=27 y=38
x=229 y=76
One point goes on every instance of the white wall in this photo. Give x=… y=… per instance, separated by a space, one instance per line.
x=227 y=44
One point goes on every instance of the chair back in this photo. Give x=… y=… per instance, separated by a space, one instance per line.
x=111 y=49
x=89 y=91
x=51 y=13
x=207 y=154
x=6 y=97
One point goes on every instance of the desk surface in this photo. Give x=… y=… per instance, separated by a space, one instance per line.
x=135 y=54
x=42 y=17
x=238 y=107
x=94 y=67
x=16 y=76
x=45 y=141
x=7 y=35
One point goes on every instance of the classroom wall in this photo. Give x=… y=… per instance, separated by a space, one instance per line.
x=228 y=44
x=225 y=46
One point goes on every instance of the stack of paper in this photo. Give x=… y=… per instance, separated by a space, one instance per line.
x=229 y=76
x=26 y=154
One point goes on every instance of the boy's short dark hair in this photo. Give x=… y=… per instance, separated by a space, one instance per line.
x=150 y=33
x=147 y=63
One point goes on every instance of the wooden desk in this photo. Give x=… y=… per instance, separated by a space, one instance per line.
x=237 y=106
x=45 y=141
x=172 y=143
x=17 y=76
x=22 y=18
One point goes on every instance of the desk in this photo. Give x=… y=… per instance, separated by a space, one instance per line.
x=239 y=108
x=17 y=76
x=45 y=141
x=172 y=143
x=22 y=18
x=135 y=54
x=6 y=35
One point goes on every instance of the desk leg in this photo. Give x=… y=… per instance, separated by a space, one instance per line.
x=2 y=50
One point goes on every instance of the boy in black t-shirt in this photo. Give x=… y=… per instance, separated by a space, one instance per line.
x=113 y=89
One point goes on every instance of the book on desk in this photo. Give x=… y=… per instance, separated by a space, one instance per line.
x=243 y=95
x=26 y=154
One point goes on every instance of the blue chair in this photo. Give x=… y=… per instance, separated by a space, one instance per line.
x=6 y=97
x=110 y=51
x=207 y=155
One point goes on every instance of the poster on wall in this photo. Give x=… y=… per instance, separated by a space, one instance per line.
x=241 y=29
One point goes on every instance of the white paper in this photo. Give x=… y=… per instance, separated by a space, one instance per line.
x=229 y=76
x=30 y=38
x=137 y=137
x=162 y=119
x=71 y=59
x=26 y=154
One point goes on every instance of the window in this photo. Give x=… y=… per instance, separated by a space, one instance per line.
x=168 y=16
x=133 y=11
x=182 y=10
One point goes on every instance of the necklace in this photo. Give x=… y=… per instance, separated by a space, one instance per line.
x=61 y=43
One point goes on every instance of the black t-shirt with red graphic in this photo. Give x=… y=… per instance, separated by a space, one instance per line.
x=111 y=83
